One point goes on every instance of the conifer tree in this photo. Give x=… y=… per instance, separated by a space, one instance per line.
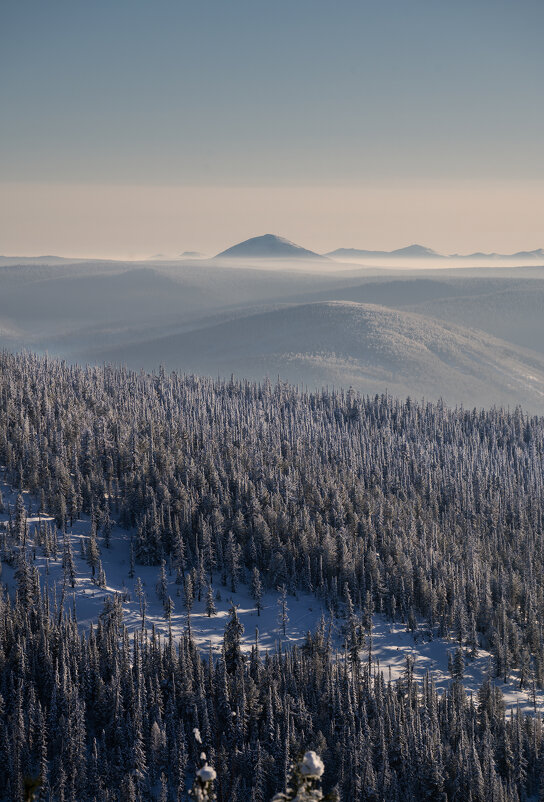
x=162 y=583
x=234 y=629
x=257 y=589
x=304 y=781
x=93 y=554
x=283 y=617
x=132 y=565
x=107 y=525
x=232 y=560
x=68 y=562
x=20 y=519
x=210 y=603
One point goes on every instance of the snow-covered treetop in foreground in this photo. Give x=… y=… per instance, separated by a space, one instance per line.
x=304 y=781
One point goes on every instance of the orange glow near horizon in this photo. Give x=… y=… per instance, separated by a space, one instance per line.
x=132 y=222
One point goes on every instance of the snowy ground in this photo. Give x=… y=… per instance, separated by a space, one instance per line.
x=391 y=642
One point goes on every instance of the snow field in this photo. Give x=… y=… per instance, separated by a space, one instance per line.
x=391 y=642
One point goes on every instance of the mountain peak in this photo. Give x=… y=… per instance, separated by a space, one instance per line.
x=410 y=252
x=267 y=246
x=416 y=251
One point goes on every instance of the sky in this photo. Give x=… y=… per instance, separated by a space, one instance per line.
x=134 y=127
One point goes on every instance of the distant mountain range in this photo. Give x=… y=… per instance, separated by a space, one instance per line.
x=411 y=252
x=272 y=246
x=421 y=252
x=538 y=253
x=268 y=246
x=6 y=261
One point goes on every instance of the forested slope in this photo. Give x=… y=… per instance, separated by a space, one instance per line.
x=408 y=508
x=424 y=514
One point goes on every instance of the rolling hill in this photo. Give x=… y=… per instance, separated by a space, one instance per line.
x=365 y=346
x=411 y=333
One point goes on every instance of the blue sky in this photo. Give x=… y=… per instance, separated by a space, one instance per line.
x=284 y=94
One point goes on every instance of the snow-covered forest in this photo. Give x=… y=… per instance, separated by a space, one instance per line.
x=411 y=512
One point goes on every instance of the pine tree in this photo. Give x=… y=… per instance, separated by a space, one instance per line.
x=100 y=575
x=202 y=790
x=68 y=562
x=132 y=566
x=163 y=796
x=189 y=593
x=23 y=577
x=304 y=781
x=210 y=604
x=353 y=639
x=283 y=617
x=168 y=609
x=140 y=595
x=179 y=557
x=458 y=665
x=234 y=629
x=107 y=526
x=257 y=589
x=93 y=554
x=162 y=583
x=232 y=559
x=20 y=520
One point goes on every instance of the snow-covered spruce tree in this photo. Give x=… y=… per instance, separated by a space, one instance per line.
x=93 y=552
x=106 y=523
x=303 y=784
x=203 y=785
x=210 y=603
x=257 y=589
x=202 y=790
x=232 y=559
x=101 y=575
x=283 y=610
x=20 y=524
x=234 y=629
x=162 y=583
x=68 y=563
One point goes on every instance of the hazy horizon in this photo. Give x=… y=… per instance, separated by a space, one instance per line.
x=136 y=222
x=131 y=129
